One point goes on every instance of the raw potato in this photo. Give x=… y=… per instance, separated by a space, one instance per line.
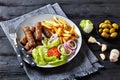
x=114 y=54
x=102 y=56
x=104 y=47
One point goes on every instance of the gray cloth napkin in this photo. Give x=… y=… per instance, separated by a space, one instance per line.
x=83 y=64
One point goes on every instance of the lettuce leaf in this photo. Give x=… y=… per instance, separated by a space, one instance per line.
x=86 y=25
x=50 y=43
x=62 y=60
x=40 y=54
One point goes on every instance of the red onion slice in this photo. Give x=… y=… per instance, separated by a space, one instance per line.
x=59 y=48
x=67 y=50
x=70 y=52
x=68 y=43
x=54 y=36
x=65 y=45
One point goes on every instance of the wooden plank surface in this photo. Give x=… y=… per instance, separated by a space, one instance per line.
x=75 y=10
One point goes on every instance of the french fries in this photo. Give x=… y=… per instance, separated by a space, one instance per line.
x=62 y=28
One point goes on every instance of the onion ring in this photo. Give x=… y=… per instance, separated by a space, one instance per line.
x=54 y=36
x=70 y=46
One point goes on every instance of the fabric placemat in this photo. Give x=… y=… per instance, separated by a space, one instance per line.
x=83 y=64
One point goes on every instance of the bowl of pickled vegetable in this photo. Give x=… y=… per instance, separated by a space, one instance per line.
x=108 y=29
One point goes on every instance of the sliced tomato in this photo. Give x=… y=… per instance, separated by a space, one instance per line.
x=54 y=52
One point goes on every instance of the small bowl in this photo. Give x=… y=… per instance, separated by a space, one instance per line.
x=110 y=38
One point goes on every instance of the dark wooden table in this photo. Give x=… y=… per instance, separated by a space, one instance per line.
x=75 y=10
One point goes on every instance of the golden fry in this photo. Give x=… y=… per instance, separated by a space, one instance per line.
x=66 y=31
x=66 y=38
x=67 y=35
x=62 y=28
x=73 y=38
x=76 y=35
x=44 y=23
x=72 y=30
x=59 y=31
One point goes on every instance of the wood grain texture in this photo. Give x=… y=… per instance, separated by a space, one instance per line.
x=75 y=10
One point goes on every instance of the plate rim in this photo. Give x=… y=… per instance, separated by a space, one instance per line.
x=68 y=21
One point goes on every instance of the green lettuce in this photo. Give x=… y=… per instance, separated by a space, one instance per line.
x=62 y=60
x=50 y=43
x=40 y=54
x=86 y=25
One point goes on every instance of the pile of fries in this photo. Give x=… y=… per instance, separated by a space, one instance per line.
x=62 y=28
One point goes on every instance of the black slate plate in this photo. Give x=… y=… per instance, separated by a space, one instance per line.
x=112 y=43
x=108 y=39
